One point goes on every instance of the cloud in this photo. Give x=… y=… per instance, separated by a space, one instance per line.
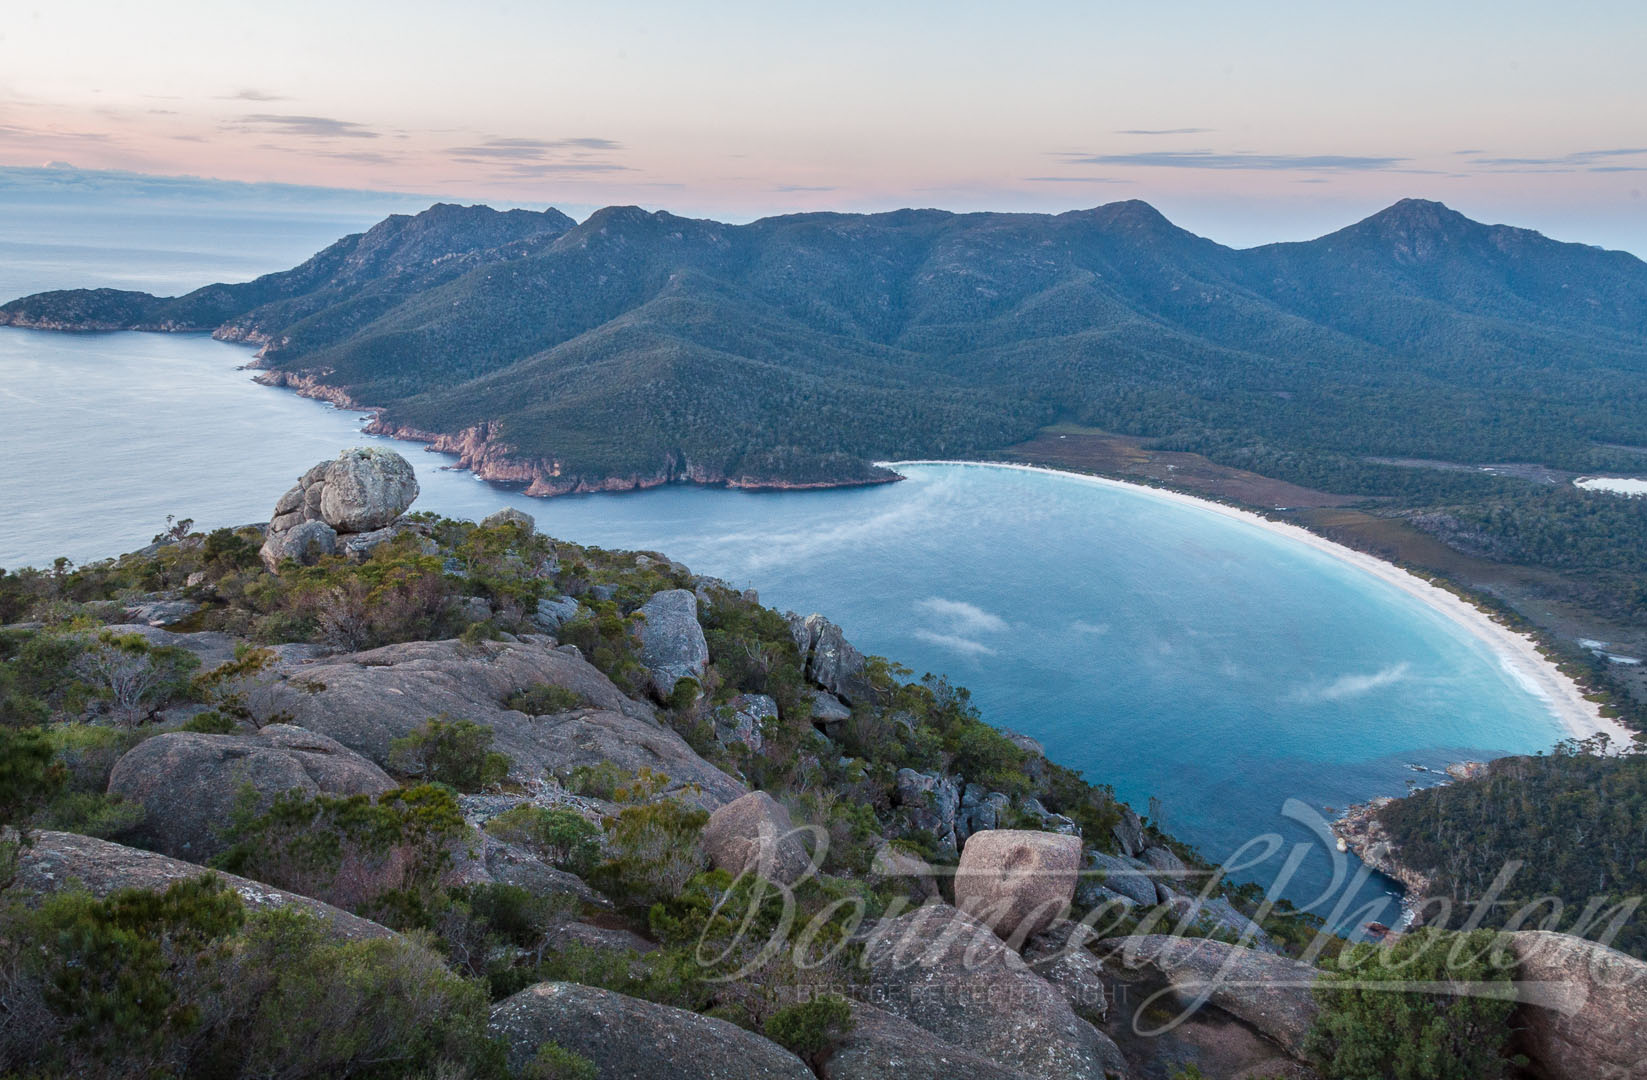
x=962 y=615
x=314 y=127
x=1074 y=180
x=954 y=642
x=1165 y=131
x=1207 y=159
x=805 y=187
x=1350 y=686
x=250 y=94
x=363 y=157
x=531 y=149
x=1589 y=160
x=1081 y=626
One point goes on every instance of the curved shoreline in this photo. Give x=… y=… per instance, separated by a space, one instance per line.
x=1517 y=653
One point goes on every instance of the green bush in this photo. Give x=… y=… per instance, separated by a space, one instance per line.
x=1371 y=1028
x=352 y=851
x=543 y=699
x=552 y=1062
x=652 y=844
x=454 y=752
x=560 y=837
x=210 y=722
x=811 y=1029
x=186 y=982
x=599 y=781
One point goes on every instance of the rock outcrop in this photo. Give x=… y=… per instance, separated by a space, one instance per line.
x=1117 y=876
x=60 y=861
x=951 y=975
x=882 y=1046
x=1059 y=954
x=1017 y=882
x=830 y=659
x=366 y=700
x=741 y=719
x=1271 y=994
x=190 y=784
x=755 y=833
x=630 y=1039
x=1584 y=1010
x=929 y=802
x=360 y=491
x=672 y=643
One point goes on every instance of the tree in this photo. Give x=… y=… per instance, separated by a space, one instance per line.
x=1452 y=1024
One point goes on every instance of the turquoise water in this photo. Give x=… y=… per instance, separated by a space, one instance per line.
x=1168 y=650
x=1162 y=648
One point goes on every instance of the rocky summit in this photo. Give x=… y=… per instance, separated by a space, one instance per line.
x=355 y=793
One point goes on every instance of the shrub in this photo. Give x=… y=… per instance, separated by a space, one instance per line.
x=134 y=676
x=351 y=851
x=1456 y=1033
x=652 y=844
x=454 y=752
x=553 y=1062
x=210 y=722
x=811 y=1029
x=598 y=781
x=560 y=837
x=90 y=813
x=543 y=699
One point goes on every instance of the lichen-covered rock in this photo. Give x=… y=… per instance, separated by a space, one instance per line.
x=755 y=833
x=1119 y=875
x=830 y=659
x=672 y=643
x=1272 y=994
x=951 y=975
x=58 y=861
x=366 y=488
x=486 y=860
x=1059 y=954
x=930 y=802
x=882 y=1046
x=305 y=543
x=1129 y=832
x=630 y=1039
x=1590 y=1018
x=741 y=719
x=1017 y=882
x=554 y=612
x=366 y=700
x=190 y=784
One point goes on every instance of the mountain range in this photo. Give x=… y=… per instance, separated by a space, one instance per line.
x=639 y=348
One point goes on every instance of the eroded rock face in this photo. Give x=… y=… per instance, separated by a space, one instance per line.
x=1119 y=876
x=1593 y=1019
x=741 y=719
x=755 y=833
x=930 y=802
x=59 y=861
x=951 y=975
x=190 y=784
x=1017 y=882
x=366 y=700
x=672 y=642
x=630 y=1039
x=1059 y=954
x=882 y=1046
x=1272 y=994
x=305 y=543
x=830 y=659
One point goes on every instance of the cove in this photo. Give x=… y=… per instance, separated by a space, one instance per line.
x=1163 y=648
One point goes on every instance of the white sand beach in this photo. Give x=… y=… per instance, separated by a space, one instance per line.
x=1516 y=651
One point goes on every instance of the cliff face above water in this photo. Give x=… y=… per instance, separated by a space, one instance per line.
x=642 y=347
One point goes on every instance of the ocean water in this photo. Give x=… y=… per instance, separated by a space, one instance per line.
x=1168 y=650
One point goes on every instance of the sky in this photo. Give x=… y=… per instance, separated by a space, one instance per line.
x=1245 y=122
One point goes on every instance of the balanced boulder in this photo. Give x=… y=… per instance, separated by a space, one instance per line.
x=672 y=643
x=1017 y=882
x=360 y=491
x=190 y=784
x=629 y=1039
x=754 y=833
